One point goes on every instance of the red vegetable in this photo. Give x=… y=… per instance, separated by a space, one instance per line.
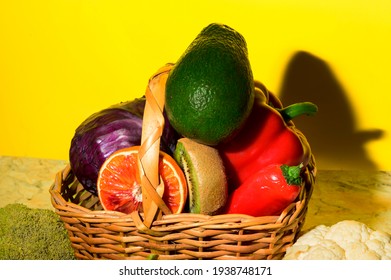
x=268 y=137
x=107 y=131
x=267 y=192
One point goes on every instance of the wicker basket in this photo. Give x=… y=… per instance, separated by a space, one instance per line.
x=98 y=234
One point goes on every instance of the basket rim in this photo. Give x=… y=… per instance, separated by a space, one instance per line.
x=69 y=209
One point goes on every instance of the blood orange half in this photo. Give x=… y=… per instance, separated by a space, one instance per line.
x=119 y=183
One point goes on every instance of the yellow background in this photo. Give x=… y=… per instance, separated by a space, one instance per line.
x=62 y=60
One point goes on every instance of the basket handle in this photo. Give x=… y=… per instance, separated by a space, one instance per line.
x=153 y=123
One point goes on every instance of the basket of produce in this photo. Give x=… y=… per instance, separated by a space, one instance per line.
x=207 y=164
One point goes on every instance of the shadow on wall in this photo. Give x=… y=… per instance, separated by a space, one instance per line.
x=332 y=132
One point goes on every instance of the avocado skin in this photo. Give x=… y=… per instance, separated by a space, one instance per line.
x=209 y=91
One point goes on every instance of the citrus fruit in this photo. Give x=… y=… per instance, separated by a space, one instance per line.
x=209 y=91
x=205 y=175
x=119 y=182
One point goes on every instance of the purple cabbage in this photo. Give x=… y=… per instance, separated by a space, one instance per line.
x=107 y=131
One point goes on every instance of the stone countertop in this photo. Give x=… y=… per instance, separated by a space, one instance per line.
x=338 y=195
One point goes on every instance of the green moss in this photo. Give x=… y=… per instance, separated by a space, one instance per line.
x=32 y=234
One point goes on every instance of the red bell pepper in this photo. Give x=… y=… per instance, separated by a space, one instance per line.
x=267 y=192
x=268 y=137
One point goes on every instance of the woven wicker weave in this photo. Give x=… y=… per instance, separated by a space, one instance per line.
x=98 y=234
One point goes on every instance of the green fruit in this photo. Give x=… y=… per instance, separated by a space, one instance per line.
x=209 y=91
x=205 y=175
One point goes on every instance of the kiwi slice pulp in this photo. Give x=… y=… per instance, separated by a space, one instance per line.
x=205 y=175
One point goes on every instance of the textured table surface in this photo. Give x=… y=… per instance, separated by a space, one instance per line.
x=338 y=195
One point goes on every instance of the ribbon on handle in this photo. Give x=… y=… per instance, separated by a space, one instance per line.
x=148 y=157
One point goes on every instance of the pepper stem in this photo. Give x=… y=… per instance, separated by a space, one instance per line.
x=292 y=174
x=303 y=108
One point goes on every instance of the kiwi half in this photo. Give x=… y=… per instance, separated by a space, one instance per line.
x=205 y=175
